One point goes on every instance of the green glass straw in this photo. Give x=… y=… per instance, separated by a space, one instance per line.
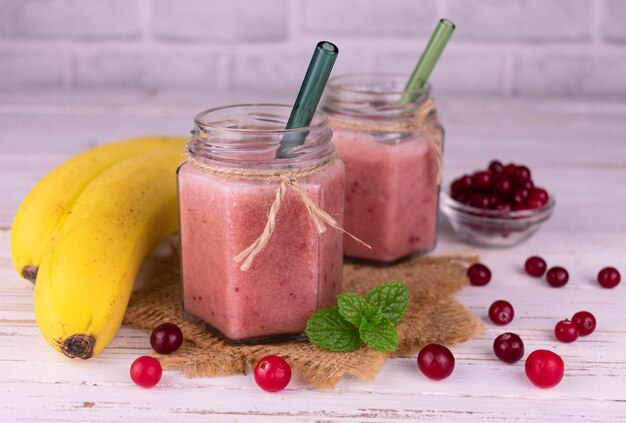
x=427 y=62
x=309 y=96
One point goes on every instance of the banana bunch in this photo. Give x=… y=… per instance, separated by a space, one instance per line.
x=83 y=232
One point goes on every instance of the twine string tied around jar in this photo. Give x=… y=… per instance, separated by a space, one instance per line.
x=288 y=179
x=424 y=119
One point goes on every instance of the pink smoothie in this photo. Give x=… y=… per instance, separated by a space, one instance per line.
x=391 y=195
x=297 y=272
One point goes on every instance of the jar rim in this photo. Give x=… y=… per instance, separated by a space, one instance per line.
x=335 y=83
x=320 y=124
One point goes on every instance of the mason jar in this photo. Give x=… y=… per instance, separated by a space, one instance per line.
x=391 y=143
x=255 y=262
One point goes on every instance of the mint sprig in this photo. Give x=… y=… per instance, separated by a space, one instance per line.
x=371 y=319
x=327 y=327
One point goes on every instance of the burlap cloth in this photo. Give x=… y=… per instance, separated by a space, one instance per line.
x=433 y=316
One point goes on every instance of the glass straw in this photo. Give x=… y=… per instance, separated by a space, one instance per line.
x=309 y=96
x=428 y=60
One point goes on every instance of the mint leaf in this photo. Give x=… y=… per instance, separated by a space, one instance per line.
x=371 y=318
x=352 y=307
x=393 y=299
x=382 y=337
x=327 y=329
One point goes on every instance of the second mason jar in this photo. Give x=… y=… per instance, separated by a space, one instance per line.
x=391 y=143
x=255 y=266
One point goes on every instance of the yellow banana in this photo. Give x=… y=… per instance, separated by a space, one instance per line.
x=47 y=203
x=87 y=272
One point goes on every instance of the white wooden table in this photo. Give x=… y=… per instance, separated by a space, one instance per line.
x=577 y=150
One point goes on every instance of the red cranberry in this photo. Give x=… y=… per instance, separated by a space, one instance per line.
x=534 y=203
x=521 y=196
x=501 y=312
x=535 y=266
x=466 y=182
x=521 y=174
x=166 y=338
x=508 y=170
x=272 y=373
x=509 y=347
x=585 y=321
x=609 y=277
x=503 y=187
x=493 y=201
x=479 y=274
x=435 y=361
x=557 y=276
x=480 y=201
x=495 y=166
x=540 y=195
x=526 y=185
x=482 y=180
x=566 y=331
x=460 y=186
x=544 y=368
x=146 y=371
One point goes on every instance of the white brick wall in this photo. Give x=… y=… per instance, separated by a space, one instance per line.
x=526 y=48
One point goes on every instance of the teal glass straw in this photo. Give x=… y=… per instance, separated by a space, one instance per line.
x=427 y=62
x=309 y=96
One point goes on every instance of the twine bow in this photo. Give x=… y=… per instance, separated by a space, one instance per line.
x=288 y=180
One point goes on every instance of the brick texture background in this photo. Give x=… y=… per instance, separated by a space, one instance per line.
x=521 y=48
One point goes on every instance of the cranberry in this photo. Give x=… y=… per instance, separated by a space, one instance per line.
x=482 y=180
x=585 y=321
x=557 y=276
x=166 y=338
x=272 y=373
x=535 y=266
x=609 y=277
x=479 y=274
x=508 y=347
x=521 y=196
x=435 y=361
x=460 y=185
x=146 y=371
x=544 y=368
x=526 y=185
x=521 y=174
x=508 y=170
x=501 y=312
x=534 y=203
x=566 y=331
x=539 y=195
x=480 y=201
x=495 y=166
x=503 y=187
x=493 y=201
x=466 y=182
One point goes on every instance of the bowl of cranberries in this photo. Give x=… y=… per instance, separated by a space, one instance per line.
x=497 y=207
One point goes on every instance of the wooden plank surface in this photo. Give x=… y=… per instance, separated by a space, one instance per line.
x=578 y=151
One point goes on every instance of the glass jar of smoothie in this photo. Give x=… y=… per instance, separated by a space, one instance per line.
x=255 y=265
x=391 y=143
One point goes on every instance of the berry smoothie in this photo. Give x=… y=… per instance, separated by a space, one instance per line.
x=391 y=194
x=295 y=274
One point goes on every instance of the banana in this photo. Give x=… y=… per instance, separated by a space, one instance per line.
x=87 y=272
x=45 y=205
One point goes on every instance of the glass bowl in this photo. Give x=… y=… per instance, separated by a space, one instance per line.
x=493 y=228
